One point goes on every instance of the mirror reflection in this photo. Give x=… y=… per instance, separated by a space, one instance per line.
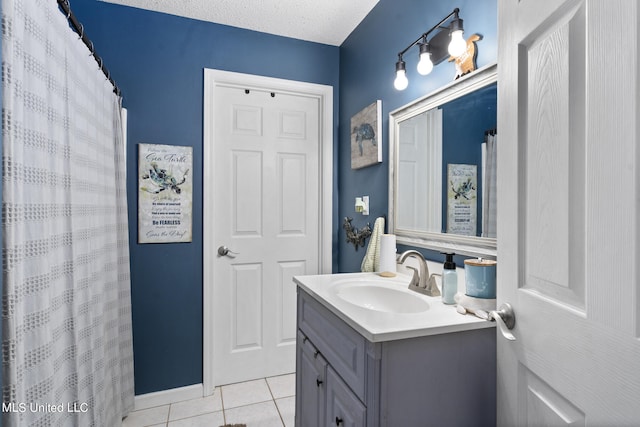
x=443 y=171
x=446 y=167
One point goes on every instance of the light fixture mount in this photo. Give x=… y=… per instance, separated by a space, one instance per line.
x=444 y=43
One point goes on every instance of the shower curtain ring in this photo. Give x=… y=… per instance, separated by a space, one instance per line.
x=81 y=31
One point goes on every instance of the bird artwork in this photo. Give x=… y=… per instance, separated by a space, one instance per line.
x=466 y=62
x=366 y=129
x=364 y=132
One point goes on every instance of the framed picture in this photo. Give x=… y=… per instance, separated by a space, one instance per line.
x=165 y=193
x=366 y=136
x=462 y=199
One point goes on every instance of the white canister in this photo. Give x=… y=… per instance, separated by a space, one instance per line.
x=388 y=254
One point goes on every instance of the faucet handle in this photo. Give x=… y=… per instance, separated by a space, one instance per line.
x=432 y=286
x=415 y=277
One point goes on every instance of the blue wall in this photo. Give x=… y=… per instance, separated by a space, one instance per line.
x=157 y=60
x=367 y=71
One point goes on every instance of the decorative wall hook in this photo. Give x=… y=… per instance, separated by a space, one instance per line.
x=355 y=236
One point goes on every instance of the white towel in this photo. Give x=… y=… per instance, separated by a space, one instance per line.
x=467 y=304
x=371 y=260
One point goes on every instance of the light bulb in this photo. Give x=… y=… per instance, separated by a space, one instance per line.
x=401 y=82
x=457 y=46
x=425 y=65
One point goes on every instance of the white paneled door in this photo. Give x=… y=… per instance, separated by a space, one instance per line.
x=264 y=188
x=569 y=212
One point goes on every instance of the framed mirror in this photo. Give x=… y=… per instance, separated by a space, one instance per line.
x=442 y=167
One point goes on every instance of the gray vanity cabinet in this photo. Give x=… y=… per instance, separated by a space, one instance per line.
x=310 y=390
x=345 y=380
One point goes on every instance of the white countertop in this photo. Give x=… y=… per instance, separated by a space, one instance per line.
x=378 y=326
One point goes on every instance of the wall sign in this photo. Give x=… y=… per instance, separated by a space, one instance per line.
x=165 y=193
x=462 y=199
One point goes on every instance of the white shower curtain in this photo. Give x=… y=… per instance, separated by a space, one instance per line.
x=67 y=342
x=490 y=199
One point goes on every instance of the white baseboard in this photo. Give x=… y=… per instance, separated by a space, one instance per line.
x=165 y=397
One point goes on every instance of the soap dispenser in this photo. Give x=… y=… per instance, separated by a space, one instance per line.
x=449 y=280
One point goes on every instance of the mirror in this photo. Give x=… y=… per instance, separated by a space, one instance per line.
x=442 y=168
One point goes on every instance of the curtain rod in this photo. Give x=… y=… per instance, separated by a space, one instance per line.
x=79 y=28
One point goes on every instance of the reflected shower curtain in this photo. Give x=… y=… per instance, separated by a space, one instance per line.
x=66 y=327
x=490 y=199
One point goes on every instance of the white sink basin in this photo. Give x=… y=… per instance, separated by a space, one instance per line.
x=383 y=309
x=380 y=296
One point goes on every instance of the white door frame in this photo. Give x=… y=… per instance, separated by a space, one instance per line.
x=324 y=93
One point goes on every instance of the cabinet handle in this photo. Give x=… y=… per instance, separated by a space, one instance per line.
x=338 y=421
x=319 y=382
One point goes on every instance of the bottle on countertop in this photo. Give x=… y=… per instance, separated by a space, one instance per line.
x=449 y=280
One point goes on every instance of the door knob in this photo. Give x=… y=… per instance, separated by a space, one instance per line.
x=225 y=251
x=505 y=318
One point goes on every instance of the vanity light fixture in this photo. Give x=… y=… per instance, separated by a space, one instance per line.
x=433 y=51
x=425 y=65
x=401 y=82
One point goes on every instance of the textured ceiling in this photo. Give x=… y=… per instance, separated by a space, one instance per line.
x=322 y=21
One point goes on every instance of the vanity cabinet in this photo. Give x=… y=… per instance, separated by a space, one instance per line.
x=310 y=390
x=343 y=379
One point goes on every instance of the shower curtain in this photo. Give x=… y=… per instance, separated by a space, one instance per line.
x=490 y=199
x=66 y=327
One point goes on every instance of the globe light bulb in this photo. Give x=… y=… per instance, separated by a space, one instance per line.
x=401 y=82
x=425 y=65
x=457 y=46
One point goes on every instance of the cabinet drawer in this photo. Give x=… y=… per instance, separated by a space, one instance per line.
x=341 y=346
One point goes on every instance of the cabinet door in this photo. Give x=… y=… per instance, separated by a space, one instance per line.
x=344 y=409
x=310 y=384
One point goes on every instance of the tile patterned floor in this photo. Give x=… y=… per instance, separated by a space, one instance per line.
x=268 y=402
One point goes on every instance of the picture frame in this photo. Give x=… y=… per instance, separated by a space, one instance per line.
x=366 y=136
x=165 y=193
x=462 y=199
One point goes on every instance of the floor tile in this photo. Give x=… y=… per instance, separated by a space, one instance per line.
x=213 y=419
x=287 y=408
x=282 y=386
x=262 y=414
x=147 y=417
x=246 y=393
x=190 y=408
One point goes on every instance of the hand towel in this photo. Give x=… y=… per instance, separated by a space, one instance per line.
x=371 y=260
x=467 y=304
